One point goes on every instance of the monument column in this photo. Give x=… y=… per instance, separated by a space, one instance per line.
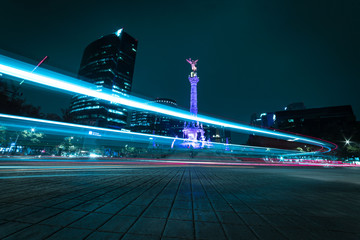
x=193 y=79
x=193 y=96
x=193 y=129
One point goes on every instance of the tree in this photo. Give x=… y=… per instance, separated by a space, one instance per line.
x=70 y=145
x=31 y=136
x=13 y=102
x=3 y=136
x=353 y=149
x=52 y=116
x=66 y=116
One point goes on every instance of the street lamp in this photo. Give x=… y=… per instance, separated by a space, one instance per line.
x=347 y=141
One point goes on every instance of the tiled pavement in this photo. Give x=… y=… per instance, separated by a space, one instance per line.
x=186 y=202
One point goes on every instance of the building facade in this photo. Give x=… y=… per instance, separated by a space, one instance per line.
x=150 y=123
x=217 y=134
x=108 y=63
x=334 y=124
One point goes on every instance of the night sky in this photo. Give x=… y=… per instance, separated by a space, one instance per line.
x=254 y=56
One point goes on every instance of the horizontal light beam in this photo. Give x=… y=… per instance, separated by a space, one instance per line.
x=58 y=81
x=51 y=127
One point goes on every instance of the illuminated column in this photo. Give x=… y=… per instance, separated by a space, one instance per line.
x=193 y=79
x=193 y=129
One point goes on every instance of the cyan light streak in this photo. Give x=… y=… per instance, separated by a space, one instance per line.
x=61 y=128
x=48 y=78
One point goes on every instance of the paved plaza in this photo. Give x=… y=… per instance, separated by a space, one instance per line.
x=151 y=201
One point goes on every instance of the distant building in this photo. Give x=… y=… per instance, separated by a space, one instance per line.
x=316 y=122
x=151 y=123
x=263 y=120
x=295 y=106
x=217 y=134
x=107 y=63
x=334 y=124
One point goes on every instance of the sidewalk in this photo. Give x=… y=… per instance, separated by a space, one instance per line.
x=178 y=202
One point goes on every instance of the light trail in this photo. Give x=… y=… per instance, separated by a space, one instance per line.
x=33 y=167
x=35 y=68
x=47 y=78
x=66 y=129
x=39 y=63
x=59 y=175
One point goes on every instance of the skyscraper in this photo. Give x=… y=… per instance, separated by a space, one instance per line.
x=107 y=63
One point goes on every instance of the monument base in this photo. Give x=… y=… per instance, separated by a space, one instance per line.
x=194 y=135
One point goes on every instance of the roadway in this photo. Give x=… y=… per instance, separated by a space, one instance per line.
x=93 y=199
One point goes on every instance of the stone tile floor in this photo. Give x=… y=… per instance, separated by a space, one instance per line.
x=180 y=202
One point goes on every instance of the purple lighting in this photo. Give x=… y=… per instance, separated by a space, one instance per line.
x=193 y=98
x=193 y=129
x=193 y=79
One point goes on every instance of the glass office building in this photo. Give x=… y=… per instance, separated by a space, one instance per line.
x=108 y=63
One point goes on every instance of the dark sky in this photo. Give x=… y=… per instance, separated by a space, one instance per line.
x=254 y=56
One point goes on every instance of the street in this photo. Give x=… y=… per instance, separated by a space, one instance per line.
x=156 y=200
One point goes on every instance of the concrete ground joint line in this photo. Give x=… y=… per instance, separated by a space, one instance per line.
x=273 y=226
x=192 y=205
x=43 y=219
x=251 y=229
x=143 y=211
x=88 y=213
x=72 y=191
x=172 y=204
x=212 y=206
x=154 y=176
